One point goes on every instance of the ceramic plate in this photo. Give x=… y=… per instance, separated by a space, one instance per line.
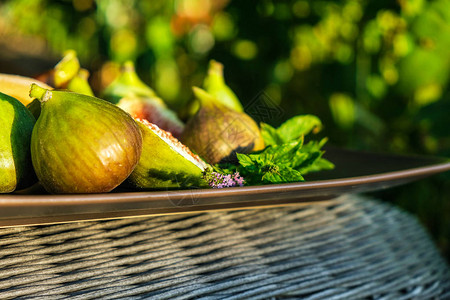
x=355 y=172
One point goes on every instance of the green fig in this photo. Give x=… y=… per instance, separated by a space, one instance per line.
x=128 y=83
x=16 y=126
x=140 y=101
x=215 y=85
x=82 y=144
x=217 y=132
x=66 y=69
x=79 y=83
x=165 y=162
x=67 y=74
x=35 y=108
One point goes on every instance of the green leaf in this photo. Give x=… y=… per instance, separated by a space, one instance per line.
x=291 y=130
x=245 y=160
x=270 y=135
x=282 y=175
x=286 y=158
x=299 y=126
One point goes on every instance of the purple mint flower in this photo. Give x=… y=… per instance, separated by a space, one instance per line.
x=217 y=180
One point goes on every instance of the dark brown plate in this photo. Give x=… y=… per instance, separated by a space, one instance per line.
x=355 y=172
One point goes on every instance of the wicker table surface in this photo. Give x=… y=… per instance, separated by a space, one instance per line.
x=346 y=248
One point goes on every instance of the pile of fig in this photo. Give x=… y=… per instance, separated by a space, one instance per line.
x=55 y=133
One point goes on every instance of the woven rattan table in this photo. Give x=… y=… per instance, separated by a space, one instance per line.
x=346 y=248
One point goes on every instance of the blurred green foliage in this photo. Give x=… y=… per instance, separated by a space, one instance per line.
x=375 y=72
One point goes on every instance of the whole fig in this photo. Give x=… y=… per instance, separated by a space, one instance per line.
x=217 y=132
x=68 y=74
x=214 y=84
x=16 y=125
x=82 y=144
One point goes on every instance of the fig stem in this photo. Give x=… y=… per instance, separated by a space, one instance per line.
x=202 y=96
x=128 y=66
x=215 y=68
x=40 y=93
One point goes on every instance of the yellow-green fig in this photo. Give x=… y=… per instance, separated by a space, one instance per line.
x=165 y=162
x=214 y=84
x=79 y=83
x=217 y=132
x=16 y=126
x=68 y=74
x=82 y=144
x=127 y=84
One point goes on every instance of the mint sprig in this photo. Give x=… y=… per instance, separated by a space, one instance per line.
x=286 y=157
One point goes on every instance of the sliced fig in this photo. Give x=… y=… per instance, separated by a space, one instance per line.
x=165 y=162
x=139 y=100
x=128 y=83
x=152 y=110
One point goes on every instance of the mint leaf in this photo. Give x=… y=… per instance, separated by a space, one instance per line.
x=318 y=165
x=286 y=158
x=299 y=126
x=282 y=174
x=270 y=135
x=313 y=161
x=244 y=160
x=291 y=130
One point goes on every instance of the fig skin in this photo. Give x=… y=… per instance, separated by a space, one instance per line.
x=82 y=144
x=217 y=132
x=16 y=125
x=165 y=162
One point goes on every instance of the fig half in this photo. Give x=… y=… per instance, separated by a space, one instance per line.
x=140 y=101
x=165 y=162
x=82 y=144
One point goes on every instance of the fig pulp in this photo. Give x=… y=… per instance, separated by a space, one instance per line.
x=165 y=162
x=16 y=126
x=140 y=101
x=82 y=144
x=217 y=132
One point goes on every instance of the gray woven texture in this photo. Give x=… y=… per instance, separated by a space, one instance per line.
x=348 y=248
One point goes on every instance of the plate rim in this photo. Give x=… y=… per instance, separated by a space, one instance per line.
x=440 y=165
